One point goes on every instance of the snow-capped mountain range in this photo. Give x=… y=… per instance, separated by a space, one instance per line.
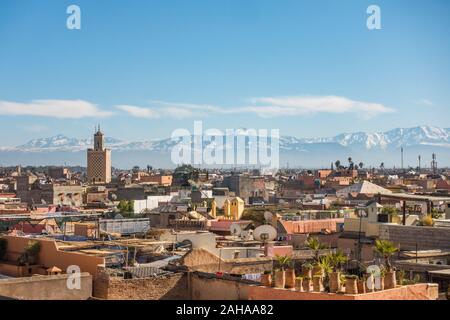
x=396 y=138
x=369 y=148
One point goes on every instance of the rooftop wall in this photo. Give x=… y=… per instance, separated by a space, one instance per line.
x=50 y=255
x=46 y=288
x=409 y=236
x=422 y=291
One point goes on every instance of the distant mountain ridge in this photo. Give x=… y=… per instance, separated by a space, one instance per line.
x=396 y=138
x=369 y=148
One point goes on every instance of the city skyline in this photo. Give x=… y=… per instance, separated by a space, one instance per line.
x=258 y=64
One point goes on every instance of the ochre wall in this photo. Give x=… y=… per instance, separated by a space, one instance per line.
x=217 y=289
x=50 y=256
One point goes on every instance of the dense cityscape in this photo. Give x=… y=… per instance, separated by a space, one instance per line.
x=228 y=158
x=341 y=233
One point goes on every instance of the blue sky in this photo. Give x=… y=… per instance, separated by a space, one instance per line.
x=144 y=68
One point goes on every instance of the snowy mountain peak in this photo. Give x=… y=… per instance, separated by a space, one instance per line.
x=395 y=138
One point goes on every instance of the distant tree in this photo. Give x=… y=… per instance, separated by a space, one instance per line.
x=382 y=166
x=338 y=164
x=361 y=165
x=125 y=206
x=350 y=163
x=390 y=210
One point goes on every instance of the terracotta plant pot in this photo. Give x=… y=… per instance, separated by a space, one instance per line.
x=306 y=285
x=390 y=280
x=379 y=283
x=370 y=283
x=351 y=286
x=306 y=272
x=299 y=285
x=361 y=284
x=290 y=278
x=317 y=284
x=280 y=279
x=317 y=270
x=266 y=280
x=335 y=282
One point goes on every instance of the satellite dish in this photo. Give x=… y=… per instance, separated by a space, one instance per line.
x=268 y=216
x=265 y=233
x=235 y=229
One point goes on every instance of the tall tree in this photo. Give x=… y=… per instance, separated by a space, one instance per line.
x=338 y=164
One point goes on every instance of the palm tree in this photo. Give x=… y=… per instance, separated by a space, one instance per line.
x=314 y=244
x=382 y=166
x=338 y=164
x=361 y=165
x=326 y=264
x=283 y=261
x=386 y=249
x=337 y=259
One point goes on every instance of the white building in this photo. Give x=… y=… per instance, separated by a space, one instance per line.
x=150 y=203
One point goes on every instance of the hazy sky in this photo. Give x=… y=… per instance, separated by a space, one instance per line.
x=144 y=68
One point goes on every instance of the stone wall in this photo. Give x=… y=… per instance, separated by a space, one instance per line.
x=171 y=287
x=408 y=236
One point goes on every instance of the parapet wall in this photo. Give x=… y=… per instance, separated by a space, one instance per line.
x=46 y=288
x=422 y=291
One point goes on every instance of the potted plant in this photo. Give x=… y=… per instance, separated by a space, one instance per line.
x=381 y=280
x=306 y=284
x=307 y=270
x=266 y=278
x=370 y=281
x=361 y=284
x=315 y=245
x=285 y=263
x=327 y=267
x=386 y=249
x=280 y=273
x=280 y=280
x=337 y=259
x=317 y=283
x=401 y=276
x=299 y=284
x=342 y=282
x=351 y=286
x=290 y=278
